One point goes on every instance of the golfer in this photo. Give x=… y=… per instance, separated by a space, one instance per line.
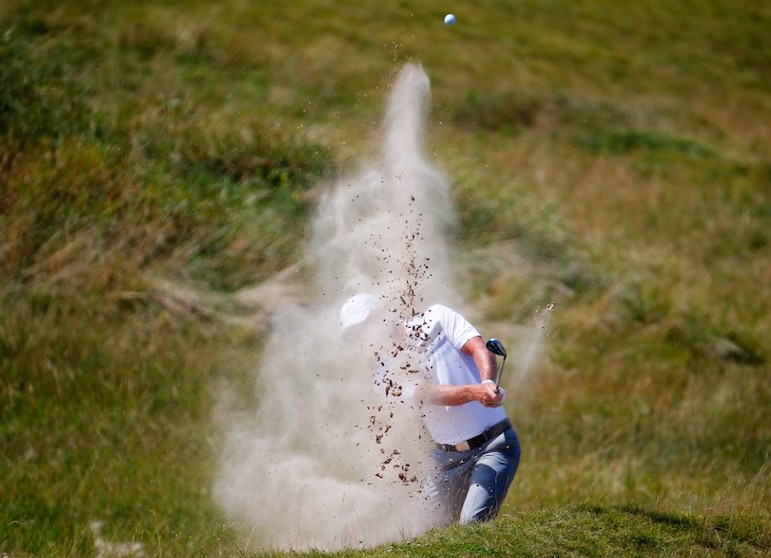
x=450 y=375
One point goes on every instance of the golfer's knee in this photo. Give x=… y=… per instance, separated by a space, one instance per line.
x=478 y=516
x=483 y=511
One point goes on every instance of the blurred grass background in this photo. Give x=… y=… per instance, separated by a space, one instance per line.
x=157 y=158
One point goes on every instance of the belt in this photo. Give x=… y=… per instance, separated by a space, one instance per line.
x=478 y=441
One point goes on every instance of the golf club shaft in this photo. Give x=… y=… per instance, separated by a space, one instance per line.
x=500 y=373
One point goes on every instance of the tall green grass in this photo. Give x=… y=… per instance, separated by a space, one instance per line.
x=612 y=158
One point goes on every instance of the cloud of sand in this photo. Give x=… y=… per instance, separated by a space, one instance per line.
x=322 y=462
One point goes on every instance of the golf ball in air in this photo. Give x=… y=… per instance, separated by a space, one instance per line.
x=449 y=19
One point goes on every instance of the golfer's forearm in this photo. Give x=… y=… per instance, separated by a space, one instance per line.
x=484 y=359
x=450 y=395
x=486 y=365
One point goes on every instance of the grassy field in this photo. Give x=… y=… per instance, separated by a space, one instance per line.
x=156 y=157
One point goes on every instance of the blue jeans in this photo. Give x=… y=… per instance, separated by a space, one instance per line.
x=469 y=486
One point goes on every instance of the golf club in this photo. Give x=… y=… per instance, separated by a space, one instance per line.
x=496 y=347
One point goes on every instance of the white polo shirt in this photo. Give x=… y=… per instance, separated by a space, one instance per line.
x=438 y=334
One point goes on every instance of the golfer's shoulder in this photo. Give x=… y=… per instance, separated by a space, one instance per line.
x=440 y=318
x=437 y=311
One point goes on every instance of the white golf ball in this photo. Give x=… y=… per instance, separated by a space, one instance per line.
x=449 y=19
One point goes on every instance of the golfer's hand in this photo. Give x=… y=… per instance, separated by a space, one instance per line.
x=489 y=397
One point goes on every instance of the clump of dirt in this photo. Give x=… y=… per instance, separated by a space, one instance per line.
x=402 y=364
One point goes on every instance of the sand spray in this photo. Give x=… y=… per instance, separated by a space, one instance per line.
x=323 y=462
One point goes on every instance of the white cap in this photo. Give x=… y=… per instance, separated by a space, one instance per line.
x=357 y=310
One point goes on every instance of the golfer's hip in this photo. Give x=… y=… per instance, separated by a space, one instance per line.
x=479 y=440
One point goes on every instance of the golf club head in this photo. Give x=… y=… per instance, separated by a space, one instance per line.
x=496 y=347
